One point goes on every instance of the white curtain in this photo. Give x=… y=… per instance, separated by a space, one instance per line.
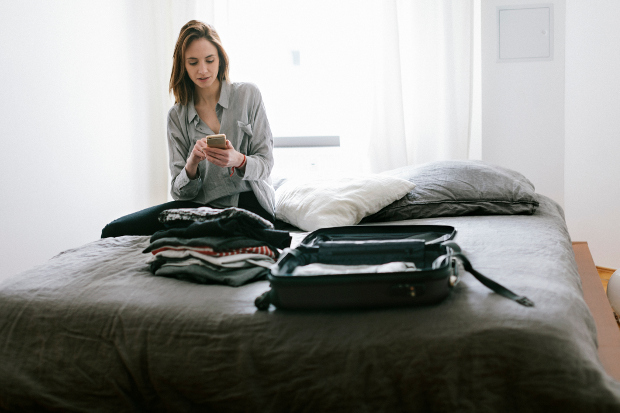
x=423 y=82
x=154 y=27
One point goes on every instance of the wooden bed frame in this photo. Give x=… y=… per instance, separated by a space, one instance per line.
x=594 y=294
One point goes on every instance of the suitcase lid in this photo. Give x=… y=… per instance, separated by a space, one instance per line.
x=429 y=234
x=367 y=245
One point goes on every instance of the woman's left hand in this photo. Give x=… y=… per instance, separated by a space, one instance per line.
x=224 y=157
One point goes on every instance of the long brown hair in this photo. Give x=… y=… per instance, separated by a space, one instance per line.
x=180 y=83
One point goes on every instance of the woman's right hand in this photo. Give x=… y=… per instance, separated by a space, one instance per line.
x=195 y=157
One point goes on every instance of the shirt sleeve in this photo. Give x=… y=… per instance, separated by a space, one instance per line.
x=182 y=188
x=259 y=161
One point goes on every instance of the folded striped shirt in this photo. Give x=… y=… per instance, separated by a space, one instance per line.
x=262 y=250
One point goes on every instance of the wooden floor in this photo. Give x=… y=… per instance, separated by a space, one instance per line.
x=594 y=293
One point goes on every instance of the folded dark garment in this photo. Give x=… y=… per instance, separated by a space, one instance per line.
x=227 y=227
x=202 y=274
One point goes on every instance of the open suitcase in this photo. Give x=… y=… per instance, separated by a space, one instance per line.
x=430 y=257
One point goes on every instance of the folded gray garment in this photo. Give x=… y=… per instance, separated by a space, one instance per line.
x=203 y=274
x=242 y=260
x=217 y=243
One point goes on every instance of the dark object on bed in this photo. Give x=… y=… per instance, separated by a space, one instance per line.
x=454 y=188
x=371 y=267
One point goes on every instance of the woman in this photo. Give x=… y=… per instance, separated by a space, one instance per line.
x=206 y=103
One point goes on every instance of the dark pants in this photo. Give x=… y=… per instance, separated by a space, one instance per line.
x=145 y=222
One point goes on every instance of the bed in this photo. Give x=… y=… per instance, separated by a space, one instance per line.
x=94 y=330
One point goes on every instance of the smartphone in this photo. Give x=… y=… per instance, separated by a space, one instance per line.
x=216 y=141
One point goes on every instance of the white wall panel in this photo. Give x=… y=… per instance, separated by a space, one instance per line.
x=592 y=191
x=73 y=137
x=523 y=105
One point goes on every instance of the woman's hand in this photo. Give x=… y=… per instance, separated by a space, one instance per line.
x=224 y=157
x=197 y=155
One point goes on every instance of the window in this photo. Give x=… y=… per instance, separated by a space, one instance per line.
x=313 y=64
x=394 y=77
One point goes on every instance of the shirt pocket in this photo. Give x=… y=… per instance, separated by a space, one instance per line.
x=245 y=133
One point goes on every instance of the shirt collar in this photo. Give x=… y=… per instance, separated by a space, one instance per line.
x=192 y=115
x=224 y=94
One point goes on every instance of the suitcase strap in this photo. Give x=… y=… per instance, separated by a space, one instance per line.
x=489 y=283
x=495 y=287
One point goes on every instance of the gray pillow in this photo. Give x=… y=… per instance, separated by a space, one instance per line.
x=452 y=188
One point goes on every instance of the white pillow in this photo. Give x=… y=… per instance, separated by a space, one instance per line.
x=315 y=204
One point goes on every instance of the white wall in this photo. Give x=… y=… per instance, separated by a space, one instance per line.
x=558 y=121
x=592 y=192
x=523 y=106
x=74 y=132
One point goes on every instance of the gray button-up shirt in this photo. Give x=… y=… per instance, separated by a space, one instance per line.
x=242 y=117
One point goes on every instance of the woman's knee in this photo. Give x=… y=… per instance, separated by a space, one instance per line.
x=114 y=229
x=107 y=231
x=144 y=222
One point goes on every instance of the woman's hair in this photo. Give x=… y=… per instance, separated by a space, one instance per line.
x=180 y=83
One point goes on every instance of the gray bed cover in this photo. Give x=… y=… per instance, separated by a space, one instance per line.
x=93 y=330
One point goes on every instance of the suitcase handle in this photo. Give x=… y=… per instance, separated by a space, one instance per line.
x=289 y=259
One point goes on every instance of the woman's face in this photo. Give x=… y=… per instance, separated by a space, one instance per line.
x=202 y=62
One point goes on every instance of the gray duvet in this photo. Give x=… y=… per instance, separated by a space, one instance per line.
x=94 y=330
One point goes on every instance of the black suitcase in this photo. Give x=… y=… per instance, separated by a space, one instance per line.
x=429 y=247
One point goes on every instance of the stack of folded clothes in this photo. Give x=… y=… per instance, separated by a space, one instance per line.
x=205 y=245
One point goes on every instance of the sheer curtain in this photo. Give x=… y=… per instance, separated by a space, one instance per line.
x=391 y=78
x=424 y=82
